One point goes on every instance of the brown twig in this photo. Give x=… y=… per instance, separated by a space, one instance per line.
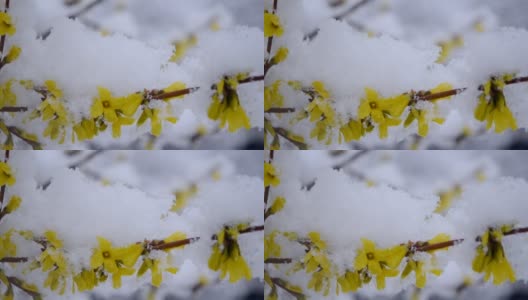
x=14 y=130
x=13 y=259
x=270 y=39
x=20 y=284
x=267 y=61
x=3 y=188
x=277 y=260
x=157 y=94
x=282 y=284
x=280 y=110
x=267 y=189
x=3 y=38
x=161 y=245
x=13 y=109
x=284 y=133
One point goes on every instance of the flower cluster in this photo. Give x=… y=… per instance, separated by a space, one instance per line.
x=226 y=256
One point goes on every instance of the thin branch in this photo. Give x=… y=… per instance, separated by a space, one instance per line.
x=3 y=38
x=349 y=160
x=14 y=130
x=351 y=10
x=13 y=109
x=267 y=189
x=155 y=94
x=85 y=9
x=277 y=260
x=161 y=245
x=20 y=284
x=270 y=39
x=251 y=79
x=85 y=159
x=3 y=188
x=13 y=259
x=267 y=63
x=282 y=284
x=280 y=110
x=284 y=133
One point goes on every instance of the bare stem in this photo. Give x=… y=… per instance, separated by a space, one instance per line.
x=277 y=260
x=161 y=245
x=13 y=109
x=85 y=9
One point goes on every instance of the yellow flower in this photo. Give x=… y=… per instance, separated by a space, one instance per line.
x=446 y=198
x=52 y=238
x=383 y=111
x=13 y=54
x=6 y=175
x=85 y=280
x=491 y=258
x=155 y=121
x=349 y=282
x=418 y=268
x=315 y=238
x=13 y=204
x=51 y=85
x=182 y=196
x=270 y=175
x=85 y=129
x=7 y=97
x=318 y=264
x=120 y=121
x=447 y=47
x=130 y=104
x=492 y=106
x=421 y=116
x=181 y=47
x=277 y=205
x=116 y=261
x=53 y=111
x=105 y=256
x=272 y=25
x=379 y=262
x=353 y=130
x=105 y=105
x=54 y=262
x=153 y=265
x=280 y=56
x=226 y=256
x=271 y=248
x=6 y=24
x=7 y=247
x=272 y=96
x=226 y=107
